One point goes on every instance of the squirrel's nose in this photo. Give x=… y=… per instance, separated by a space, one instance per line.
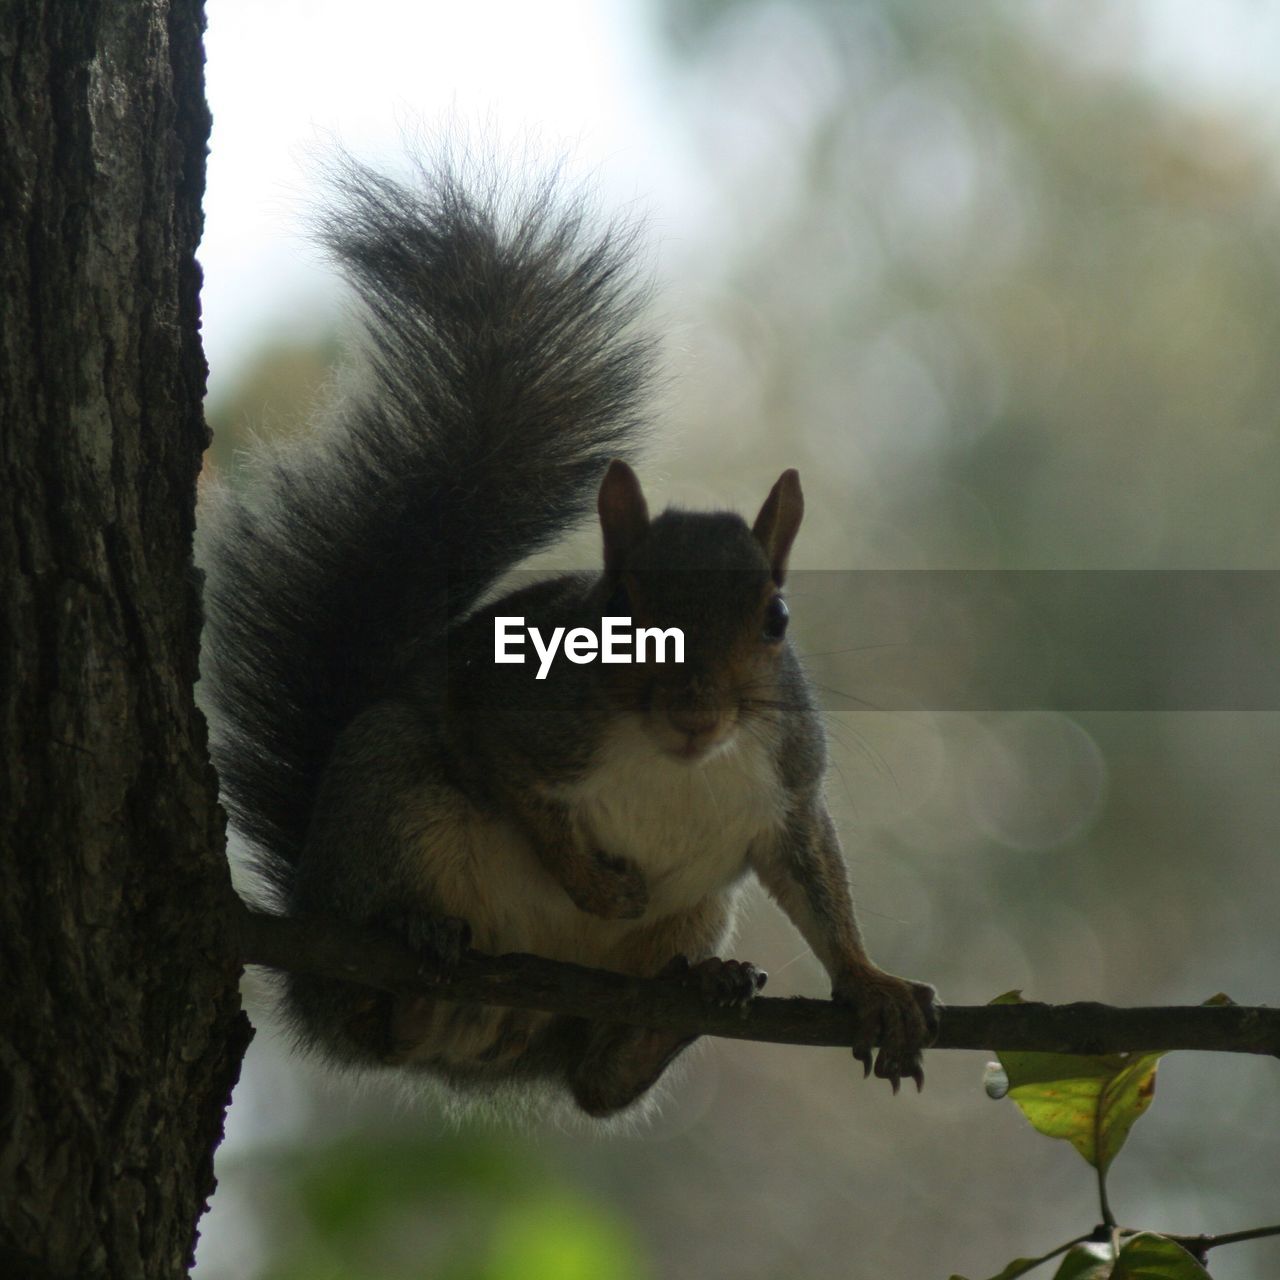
x=697 y=719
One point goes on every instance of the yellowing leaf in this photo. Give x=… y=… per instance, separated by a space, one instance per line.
x=1090 y=1101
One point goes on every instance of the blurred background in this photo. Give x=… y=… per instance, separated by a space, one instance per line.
x=1003 y=281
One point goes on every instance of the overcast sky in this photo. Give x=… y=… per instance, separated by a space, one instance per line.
x=288 y=77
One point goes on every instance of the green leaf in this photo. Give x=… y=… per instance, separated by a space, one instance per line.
x=1086 y=1262
x=348 y=1188
x=1009 y=997
x=556 y=1238
x=1090 y=1101
x=1018 y=1267
x=1148 y=1256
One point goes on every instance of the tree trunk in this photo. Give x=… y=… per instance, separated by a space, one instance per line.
x=121 y=1034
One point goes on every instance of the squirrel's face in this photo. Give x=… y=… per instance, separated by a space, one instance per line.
x=718 y=582
x=734 y=623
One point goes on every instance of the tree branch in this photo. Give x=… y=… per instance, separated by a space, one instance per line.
x=1200 y=1245
x=334 y=950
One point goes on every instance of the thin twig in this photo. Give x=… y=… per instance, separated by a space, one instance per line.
x=1200 y=1245
x=335 y=950
x=1108 y=1218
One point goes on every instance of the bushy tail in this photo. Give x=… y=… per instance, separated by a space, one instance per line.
x=499 y=374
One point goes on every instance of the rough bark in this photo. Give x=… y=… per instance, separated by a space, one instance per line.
x=121 y=1034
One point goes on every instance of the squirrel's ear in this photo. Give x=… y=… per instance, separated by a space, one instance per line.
x=779 y=519
x=624 y=514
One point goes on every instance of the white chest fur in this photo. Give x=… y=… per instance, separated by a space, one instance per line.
x=687 y=824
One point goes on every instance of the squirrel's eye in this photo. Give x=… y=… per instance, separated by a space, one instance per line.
x=775 y=619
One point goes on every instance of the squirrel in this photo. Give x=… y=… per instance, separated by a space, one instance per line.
x=387 y=771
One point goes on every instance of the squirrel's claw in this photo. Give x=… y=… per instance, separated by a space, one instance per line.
x=900 y=1017
x=930 y=1008
x=726 y=984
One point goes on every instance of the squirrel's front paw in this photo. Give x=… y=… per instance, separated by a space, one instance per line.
x=726 y=983
x=439 y=941
x=613 y=888
x=899 y=1016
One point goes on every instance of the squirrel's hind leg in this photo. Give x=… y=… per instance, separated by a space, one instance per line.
x=615 y=1064
x=620 y=1064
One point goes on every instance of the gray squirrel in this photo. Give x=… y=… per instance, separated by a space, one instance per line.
x=387 y=771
